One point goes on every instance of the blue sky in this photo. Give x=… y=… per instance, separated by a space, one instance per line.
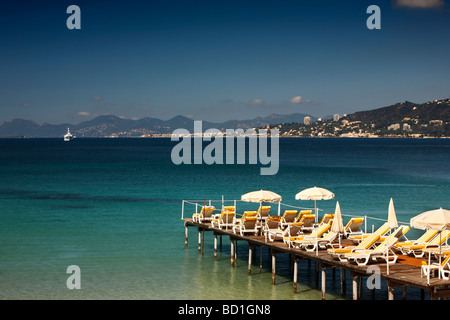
x=218 y=60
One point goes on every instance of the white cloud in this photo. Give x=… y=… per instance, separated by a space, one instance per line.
x=296 y=99
x=299 y=99
x=420 y=3
x=84 y=113
x=96 y=98
x=255 y=101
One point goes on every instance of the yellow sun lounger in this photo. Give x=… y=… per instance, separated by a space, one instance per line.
x=291 y=240
x=307 y=221
x=224 y=220
x=263 y=212
x=362 y=257
x=272 y=230
x=293 y=230
x=205 y=214
x=301 y=213
x=360 y=237
x=426 y=237
x=439 y=239
x=245 y=215
x=353 y=227
x=325 y=219
x=365 y=244
x=288 y=218
x=311 y=244
x=247 y=224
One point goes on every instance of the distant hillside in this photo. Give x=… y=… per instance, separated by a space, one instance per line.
x=111 y=125
x=438 y=109
x=406 y=119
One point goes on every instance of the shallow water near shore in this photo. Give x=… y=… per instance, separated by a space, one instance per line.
x=113 y=208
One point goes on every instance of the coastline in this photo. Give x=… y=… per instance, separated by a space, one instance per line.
x=281 y=137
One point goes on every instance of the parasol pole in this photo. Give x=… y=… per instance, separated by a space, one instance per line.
x=440 y=251
x=315 y=211
x=429 y=269
x=260 y=210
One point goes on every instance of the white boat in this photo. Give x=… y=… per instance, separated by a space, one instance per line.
x=68 y=136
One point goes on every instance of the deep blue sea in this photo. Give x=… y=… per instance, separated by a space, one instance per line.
x=113 y=208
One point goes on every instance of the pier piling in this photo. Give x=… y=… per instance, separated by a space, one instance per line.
x=185 y=235
x=295 y=273
x=323 y=281
x=250 y=248
x=232 y=253
x=260 y=259
x=274 y=261
x=343 y=282
x=199 y=239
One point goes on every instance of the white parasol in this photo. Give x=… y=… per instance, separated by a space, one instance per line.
x=315 y=194
x=438 y=219
x=392 y=218
x=262 y=196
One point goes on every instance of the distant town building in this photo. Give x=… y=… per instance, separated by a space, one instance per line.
x=436 y=122
x=336 y=117
x=395 y=126
x=307 y=121
x=407 y=127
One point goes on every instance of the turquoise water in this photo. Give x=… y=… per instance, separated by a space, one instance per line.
x=113 y=207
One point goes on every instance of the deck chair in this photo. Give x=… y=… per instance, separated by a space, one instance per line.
x=205 y=214
x=229 y=208
x=301 y=213
x=317 y=232
x=436 y=251
x=246 y=214
x=424 y=238
x=272 y=230
x=288 y=218
x=307 y=221
x=263 y=212
x=353 y=227
x=443 y=268
x=311 y=244
x=247 y=224
x=381 y=251
x=293 y=230
x=419 y=249
x=325 y=219
x=225 y=209
x=224 y=221
x=360 y=237
x=367 y=243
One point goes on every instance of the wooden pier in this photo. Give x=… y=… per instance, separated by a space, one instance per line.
x=406 y=272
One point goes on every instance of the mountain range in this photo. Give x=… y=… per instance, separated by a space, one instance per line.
x=110 y=125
